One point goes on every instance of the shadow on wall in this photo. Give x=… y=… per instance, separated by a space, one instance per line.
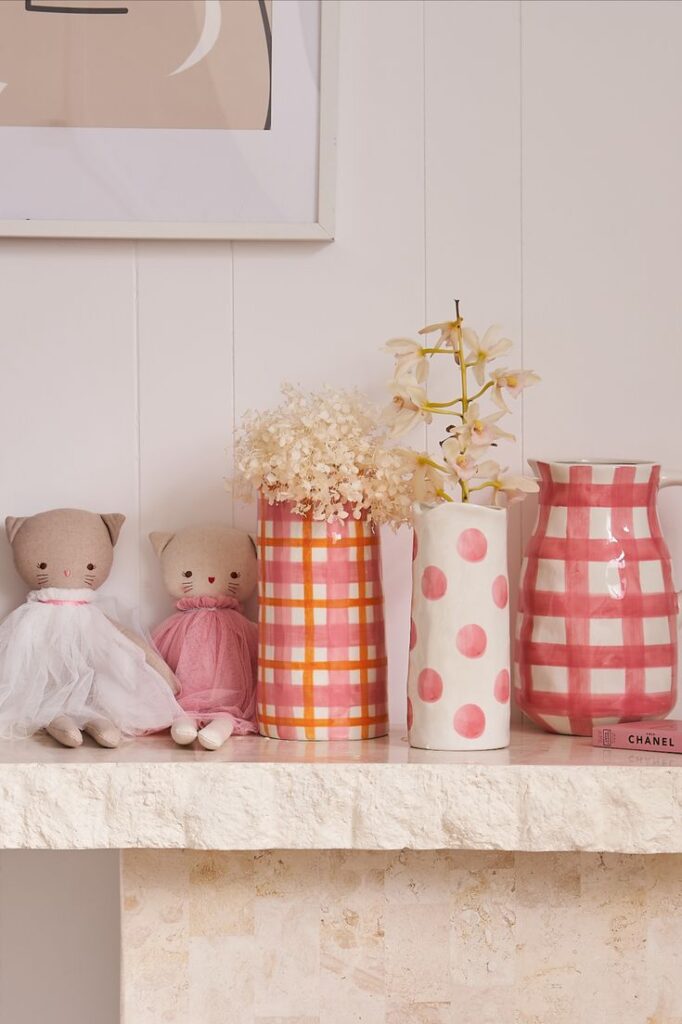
x=60 y=937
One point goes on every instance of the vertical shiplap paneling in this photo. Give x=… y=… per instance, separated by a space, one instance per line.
x=472 y=155
x=319 y=313
x=68 y=414
x=602 y=228
x=68 y=423
x=473 y=194
x=184 y=334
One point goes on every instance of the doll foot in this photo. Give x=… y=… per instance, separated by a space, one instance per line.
x=65 y=731
x=103 y=732
x=213 y=735
x=184 y=731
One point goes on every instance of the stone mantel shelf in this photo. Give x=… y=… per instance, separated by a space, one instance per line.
x=544 y=793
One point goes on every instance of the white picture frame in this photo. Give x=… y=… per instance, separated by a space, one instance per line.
x=321 y=227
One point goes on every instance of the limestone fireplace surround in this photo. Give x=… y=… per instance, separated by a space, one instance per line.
x=293 y=883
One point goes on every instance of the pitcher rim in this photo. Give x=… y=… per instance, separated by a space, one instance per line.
x=608 y=463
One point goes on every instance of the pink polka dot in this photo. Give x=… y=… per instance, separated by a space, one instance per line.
x=410 y=716
x=472 y=641
x=434 y=582
x=501 y=687
x=413 y=635
x=472 y=545
x=430 y=685
x=469 y=721
x=500 y=591
x=415 y=545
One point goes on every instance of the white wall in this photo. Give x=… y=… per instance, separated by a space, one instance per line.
x=524 y=157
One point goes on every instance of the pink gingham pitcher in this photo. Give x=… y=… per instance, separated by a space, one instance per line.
x=598 y=610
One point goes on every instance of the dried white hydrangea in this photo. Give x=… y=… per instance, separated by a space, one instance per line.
x=329 y=454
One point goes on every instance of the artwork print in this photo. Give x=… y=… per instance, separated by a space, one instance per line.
x=166 y=64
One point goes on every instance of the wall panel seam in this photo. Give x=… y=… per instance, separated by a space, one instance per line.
x=522 y=411
x=234 y=380
x=138 y=413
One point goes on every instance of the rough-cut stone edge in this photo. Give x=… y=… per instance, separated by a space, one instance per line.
x=253 y=806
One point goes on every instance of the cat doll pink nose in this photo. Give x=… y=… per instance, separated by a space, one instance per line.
x=211 y=579
x=67 y=572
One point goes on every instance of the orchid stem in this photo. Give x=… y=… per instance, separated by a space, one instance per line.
x=459 y=360
x=490 y=384
x=441 y=412
x=435 y=465
x=443 y=405
x=482 y=487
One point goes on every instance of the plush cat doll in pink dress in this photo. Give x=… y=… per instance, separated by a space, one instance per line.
x=209 y=643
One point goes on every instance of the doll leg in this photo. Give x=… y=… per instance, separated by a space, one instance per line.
x=65 y=731
x=103 y=732
x=213 y=735
x=184 y=731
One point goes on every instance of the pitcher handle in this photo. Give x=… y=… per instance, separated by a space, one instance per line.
x=671 y=477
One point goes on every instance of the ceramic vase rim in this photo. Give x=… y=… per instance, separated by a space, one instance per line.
x=421 y=508
x=606 y=463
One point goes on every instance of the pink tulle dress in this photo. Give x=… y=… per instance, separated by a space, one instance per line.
x=212 y=648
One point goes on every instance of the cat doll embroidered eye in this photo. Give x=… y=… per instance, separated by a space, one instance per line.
x=235 y=575
x=90 y=566
x=42 y=565
x=188 y=573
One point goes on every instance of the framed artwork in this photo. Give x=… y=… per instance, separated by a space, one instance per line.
x=168 y=118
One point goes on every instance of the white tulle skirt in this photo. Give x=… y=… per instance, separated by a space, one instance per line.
x=60 y=654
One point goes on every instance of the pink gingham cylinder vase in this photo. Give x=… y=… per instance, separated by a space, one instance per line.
x=598 y=610
x=322 y=669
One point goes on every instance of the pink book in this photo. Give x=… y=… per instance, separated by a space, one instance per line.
x=640 y=736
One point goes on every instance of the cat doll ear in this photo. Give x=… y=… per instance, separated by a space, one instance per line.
x=113 y=522
x=160 y=542
x=13 y=525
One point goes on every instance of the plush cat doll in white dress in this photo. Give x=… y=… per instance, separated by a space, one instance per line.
x=64 y=665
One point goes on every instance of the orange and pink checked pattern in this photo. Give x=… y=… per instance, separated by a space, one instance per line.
x=322 y=669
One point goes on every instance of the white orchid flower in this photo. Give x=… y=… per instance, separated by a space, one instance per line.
x=513 y=381
x=407 y=408
x=409 y=358
x=489 y=470
x=463 y=465
x=448 y=333
x=427 y=482
x=478 y=431
x=483 y=351
x=512 y=486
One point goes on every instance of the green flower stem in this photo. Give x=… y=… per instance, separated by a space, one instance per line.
x=486 y=387
x=443 y=405
x=441 y=412
x=444 y=495
x=482 y=487
x=433 y=464
x=461 y=362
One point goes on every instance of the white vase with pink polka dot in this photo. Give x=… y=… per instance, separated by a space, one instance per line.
x=458 y=684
